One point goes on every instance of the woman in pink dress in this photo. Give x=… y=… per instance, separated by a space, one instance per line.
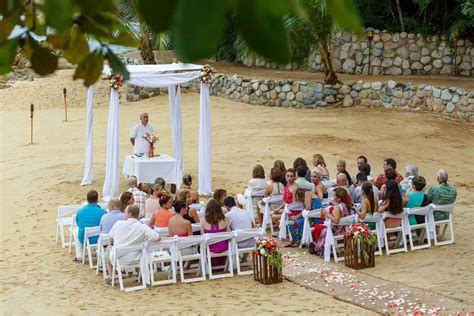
x=213 y=222
x=290 y=189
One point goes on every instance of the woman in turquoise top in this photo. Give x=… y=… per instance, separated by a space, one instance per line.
x=416 y=198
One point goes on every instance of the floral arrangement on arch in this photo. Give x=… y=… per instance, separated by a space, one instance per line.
x=151 y=138
x=361 y=232
x=268 y=247
x=115 y=80
x=206 y=73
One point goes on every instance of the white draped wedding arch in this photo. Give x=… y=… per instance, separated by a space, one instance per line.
x=153 y=76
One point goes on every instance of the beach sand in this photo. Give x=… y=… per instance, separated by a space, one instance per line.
x=39 y=277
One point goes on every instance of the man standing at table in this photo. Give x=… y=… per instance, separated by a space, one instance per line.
x=140 y=145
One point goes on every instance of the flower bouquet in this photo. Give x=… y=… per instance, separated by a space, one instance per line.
x=267 y=261
x=115 y=80
x=359 y=246
x=206 y=73
x=151 y=139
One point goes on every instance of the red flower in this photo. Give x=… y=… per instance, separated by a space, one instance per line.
x=256 y=252
x=272 y=251
x=268 y=245
x=275 y=243
x=364 y=233
x=296 y=225
x=354 y=229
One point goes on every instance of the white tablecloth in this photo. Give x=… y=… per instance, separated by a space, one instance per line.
x=146 y=170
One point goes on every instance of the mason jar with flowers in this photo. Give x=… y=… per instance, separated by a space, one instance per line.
x=151 y=139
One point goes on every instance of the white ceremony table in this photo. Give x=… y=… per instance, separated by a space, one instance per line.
x=146 y=170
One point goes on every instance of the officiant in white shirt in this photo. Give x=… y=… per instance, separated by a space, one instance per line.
x=140 y=145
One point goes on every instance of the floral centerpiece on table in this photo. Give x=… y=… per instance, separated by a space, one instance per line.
x=151 y=139
x=360 y=232
x=206 y=73
x=268 y=248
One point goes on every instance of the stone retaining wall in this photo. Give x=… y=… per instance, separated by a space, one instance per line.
x=391 y=54
x=455 y=102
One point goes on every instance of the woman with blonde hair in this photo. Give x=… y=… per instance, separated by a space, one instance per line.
x=191 y=214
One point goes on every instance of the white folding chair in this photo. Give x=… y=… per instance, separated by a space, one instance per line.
x=64 y=220
x=252 y=197
x=197 y=254
x=72 y=238
x=400 y=231
x=145 y=221
x=423 y=228
x=377 y=218
x=306 y=236
x=332 y=241
x=103 y=242
x=90 y=232
x=210 y=239
x=163 y=231
x=242 y=235
x=160 y=253
x=448 y=208
x=118 y=267
x=283 y=233
x=267 y=220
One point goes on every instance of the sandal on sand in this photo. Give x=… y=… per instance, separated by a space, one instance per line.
x=290 y=244
x=77 y=260
x=108 y=281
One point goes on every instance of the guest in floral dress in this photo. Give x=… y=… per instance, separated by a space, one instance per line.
x=296 y=219
x=334 y=214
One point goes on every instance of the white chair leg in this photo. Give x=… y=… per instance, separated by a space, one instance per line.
x=84 y=251
x=209 y=262
x=63 y=243
x=119 y=273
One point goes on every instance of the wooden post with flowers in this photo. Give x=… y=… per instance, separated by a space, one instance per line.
x=267 y=262
x=359 y=247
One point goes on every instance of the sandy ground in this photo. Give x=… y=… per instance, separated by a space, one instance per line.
x=38 y=276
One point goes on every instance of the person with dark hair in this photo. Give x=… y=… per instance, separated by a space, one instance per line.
x=341 y=168
x=280 y=165
x=358 y=192
x=369 y=203
x=392 y=203
x=313 y=199
x=301 y=180
x=288 y=194
x=416 y=198
x=295 y=218
x=300 y=162
x=178 y=225
x=388 y=163
x=87 y=216
x=126 y=199
x=341 y=209
x=365 y=168
x=238 y=218
x=390 y=174
x=361 y=160
x=257 y=183
x=215 y=222
x=163 y=214
x=219 y=195
x=187 y=182
x=160 y=181
x=191 y=214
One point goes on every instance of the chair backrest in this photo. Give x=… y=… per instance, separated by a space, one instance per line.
x=244 y=234
x=347 y=220
x=91 y=232
x=295 y=206
x=167 y=243
x=104 y=240
x=185 y=242
x=197 y=206
x=67 y=210
x=424 y=210
x=104 y=205
x=259 y=193
x=145 y=221
x=217 y=237
x=123 y=250
x=273 y=199
x=373 y=218
x=390 y=215
x=443 y=208
x=163 y=231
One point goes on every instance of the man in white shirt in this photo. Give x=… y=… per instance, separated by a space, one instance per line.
x=361 y=179
x=138 y=195
x=301 y=180
x=128 y=233
x=140 y=145
x=238 y=219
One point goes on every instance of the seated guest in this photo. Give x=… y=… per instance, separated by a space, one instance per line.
x=280 y=165
x=115 y=214
x=392 y=203
x=388 y=163
x=238 y=218
x=219 y=195
x=87 y=216
x=300 y=162
x=341 y=168
x=320 y=166
x=411 y=170
x=187 y=185
x=274 y=188
x=290 y=188
x=369 y=203
x=138 y=195
x=152 y=203
x=343 y=182
x=301 y=180
x=358 y=192
x=416 y=198
x=178 y=226
x=341 y=209
x=190 y=214
x=365 y=168
x=126 y=199
x=128 y=233
x=361 y=161
x=295 y=219
x=257 y=183
x=313 y=198
x=442 y=194
x=163 y=214
x=390 y=174
x=215 y=222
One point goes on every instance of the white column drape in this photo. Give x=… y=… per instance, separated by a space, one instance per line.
x=88 y=170
x=174 y=93
x=205 y=143
x=112 y=172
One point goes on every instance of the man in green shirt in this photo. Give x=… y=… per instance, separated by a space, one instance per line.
x=442 y=194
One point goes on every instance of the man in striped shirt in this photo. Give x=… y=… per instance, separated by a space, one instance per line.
x=138 y=195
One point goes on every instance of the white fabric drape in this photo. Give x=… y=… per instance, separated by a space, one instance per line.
x=154 y=69
x=176 y=118
x=112 y=171
x=205 y=142
x=88 y=170
x=162 y=80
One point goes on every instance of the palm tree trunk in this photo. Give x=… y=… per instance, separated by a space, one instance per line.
x=331 y=75
x=146 y=47
x=400 y=15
